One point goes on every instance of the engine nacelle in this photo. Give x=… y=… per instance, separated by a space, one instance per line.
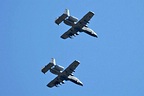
x=68 y=22
x=54 y=71
x=72 y=18
x=58 y=67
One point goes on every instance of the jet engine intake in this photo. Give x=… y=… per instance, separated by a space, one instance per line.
x=54 y=71
x=68 y=22
x=72 y=18
x=58 y=67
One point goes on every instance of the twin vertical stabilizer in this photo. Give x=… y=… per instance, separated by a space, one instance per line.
x=53 y=61
x=67 y=12
x=55 y=69
x=62 y=17
x=49 y=66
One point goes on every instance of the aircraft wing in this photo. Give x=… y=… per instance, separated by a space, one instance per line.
x=55 y=82
x=70 y=69
x=81 y=23
x=69 y=33
x=63 y=76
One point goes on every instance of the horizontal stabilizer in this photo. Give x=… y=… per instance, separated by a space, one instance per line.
x=61 y=18
x=47 y=67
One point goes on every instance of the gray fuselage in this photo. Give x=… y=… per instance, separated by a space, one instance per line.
x=85 y=29
x=65 y=77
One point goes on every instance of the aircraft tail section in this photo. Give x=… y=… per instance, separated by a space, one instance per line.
x=62 y=17
x=49 y=66
x=53 y=61
x=67 y=12
x=57 y=68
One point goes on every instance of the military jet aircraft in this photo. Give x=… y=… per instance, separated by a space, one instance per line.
x=76 y=25
x=62 y=75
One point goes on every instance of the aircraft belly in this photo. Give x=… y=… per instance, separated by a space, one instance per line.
x=85 y=29
x=75 y=80
x=89 y=31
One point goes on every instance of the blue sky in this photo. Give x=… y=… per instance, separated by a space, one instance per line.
x=111 y=65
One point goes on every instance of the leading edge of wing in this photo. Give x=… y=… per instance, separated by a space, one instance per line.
x=71 y=68
x=81 y=23
x=68 y=33
x=54 y=82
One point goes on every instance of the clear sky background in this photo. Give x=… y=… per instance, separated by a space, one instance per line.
x=111 y=65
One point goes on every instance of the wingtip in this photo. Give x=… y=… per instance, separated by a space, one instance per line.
x=63 y=37
x=92 y=12
x=77 y=61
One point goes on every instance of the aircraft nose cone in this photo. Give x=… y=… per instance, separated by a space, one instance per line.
x=80 y=83
x=95 y=35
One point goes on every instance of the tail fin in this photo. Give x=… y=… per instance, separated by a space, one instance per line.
x=67 y=12
x=62 y=17
x=53 y=61
x=49 y=66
